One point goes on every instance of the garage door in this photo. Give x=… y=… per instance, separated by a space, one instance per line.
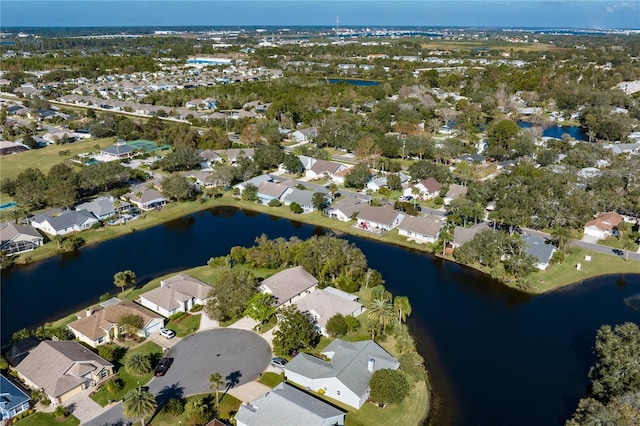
x=154 y=327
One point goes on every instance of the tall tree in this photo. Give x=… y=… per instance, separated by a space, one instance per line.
x=294 y=332
x=381 y=313
x=230 y=294
x=402 y=307
x=215 y=381
x=138 y=403
x=124 y=278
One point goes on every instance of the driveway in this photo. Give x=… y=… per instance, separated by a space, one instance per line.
x=240 y=356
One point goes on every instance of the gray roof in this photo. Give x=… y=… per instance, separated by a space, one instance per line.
x=176 y=290
x=118 y=149
x=11 y=396
x=461 y=235
x=284 y=405
x=322 y=166
x=8 y=231
x=66 y=219
x=102 y=206
x=58 y=367
x=538 y=247
x=425 y=225
x=348 y=363
x=288 y=283
x=349 y=205
x=300 y=196
x=255 y=181
x=384 y=215
x=456 y=191
x=148 y=195
x=270 y=189
x=326 y=305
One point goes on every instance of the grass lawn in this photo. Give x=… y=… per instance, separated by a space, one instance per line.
x=616 y=243
x=566 y=273
x=185 y=325
x=130 y=381
x=47 y=419
x=45 y=158
x=227 y=407
x=270 y=379
x=263 y=328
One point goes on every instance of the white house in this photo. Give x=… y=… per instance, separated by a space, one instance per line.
x=286 y=404
x=146 y=198
x=602 y=225
x=289 y=285
x=324 y=168
x=65 y=223
x=379 y=219
x=427 y=189
x=323 y=304
x=345 y=376
x=16 y=239
x=179 y=293
x=344 y=209
x=540 y=249
x=305 y=135
x=424 y=229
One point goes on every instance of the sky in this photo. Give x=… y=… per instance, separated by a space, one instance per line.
x=478 y=13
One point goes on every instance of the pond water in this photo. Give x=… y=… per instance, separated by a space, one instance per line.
x=497 y=357
x=353 y=82
x=576 y=132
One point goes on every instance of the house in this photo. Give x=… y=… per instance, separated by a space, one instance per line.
x=345 y=376
x=255 y=181
x=603 y=225
x=66 y=222
x=323 y=304
x=539 y=248
x=118 y=151
x=19 y=350
x=100 y=326
x=462 y=235
x=289 y=285
x=305 y=135
x=381 y=182
x=427 y=189
x=104 y=207
x=13 y=400
x=208 y=158
x=284 y=403
x=455 y=191
x=303 y=197
x=146 y=198
x=16 y=239
x=63 y=369
x=179 y=293
x=235 y=154
x=8 y=147
x=379 y=219
x=268 y=191
x=344 y=209
x=324 y=168
x=425 y=229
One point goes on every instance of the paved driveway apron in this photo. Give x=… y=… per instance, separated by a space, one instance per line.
x=238 y=355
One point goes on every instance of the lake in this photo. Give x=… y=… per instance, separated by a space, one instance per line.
x=353 y=82
x=576 y=132
x=497 y=356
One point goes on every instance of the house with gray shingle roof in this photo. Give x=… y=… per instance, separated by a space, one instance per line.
x=462 y=235
x=66 y=222
x=539 y=248
x=344 y=209
x=268 y=191
x=324 y=168
x=118 y=151
x=146 y=198
x=345 y=376
x=305 y=135
x=288 y=285
x=63 y=369
x=179 y=293
x=424 y=229
x=379 y=219
x=16 y=239
x=104 y=207
x=283 y=404
x=301 y=196
x=13 y=400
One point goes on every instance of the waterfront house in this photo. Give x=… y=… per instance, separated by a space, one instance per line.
x=63 y=369
x=66 y=222
x=378 y=219
x=104 y=207
x=462 y=235
x=180 y=293
x=255 y=181
x=603 y=225
x=344 y=209
x=424 y=229
x=268 y=191
x=146 y=198
x=16 y=239
x=303 y=197
x=289 y=285
x=284 y=403
x=346 y=373
x=8 y=147
x=323 y=304
x=100 y=325
x=13 y=400
x=540 y=249
x=427 y=189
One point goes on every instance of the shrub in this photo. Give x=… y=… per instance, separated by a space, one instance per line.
x=353 y=323
x=174 y=407
x=113 y=386
x=177 y=316
x=110 y=351
x=295 y=207
x=413 y=364
x=138 y=364
x=197 y=308
x=388 y=386
x=337 y=326
x=274 y=203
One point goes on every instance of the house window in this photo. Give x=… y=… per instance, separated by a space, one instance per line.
x=338 y=392
x=100 y=341
x=103 y=374
x=324 y=387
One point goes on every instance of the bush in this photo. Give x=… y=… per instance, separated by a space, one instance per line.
x=295 y=207
x=412 y=363
x=174 y=407
x=113 y=386
x=353 y=323
x=177 y=316
x=337 y=326
x=110 y=351
x=274 y=203
x=388 y=386
x=197 y=308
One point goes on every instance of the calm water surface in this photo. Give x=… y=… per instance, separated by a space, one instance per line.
x=497 y=357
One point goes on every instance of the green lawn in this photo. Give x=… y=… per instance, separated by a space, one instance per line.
x=226 y=409
x=47 y=419
x=185 y=325
x=130 y=381
x=616 y=243
x=270 y=379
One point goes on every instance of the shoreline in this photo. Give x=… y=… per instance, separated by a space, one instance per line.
x=176 y=210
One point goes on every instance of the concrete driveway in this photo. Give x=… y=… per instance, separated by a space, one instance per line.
x=240 y=356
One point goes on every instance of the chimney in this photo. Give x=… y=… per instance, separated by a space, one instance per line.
x=87 y=313
x=371 y=365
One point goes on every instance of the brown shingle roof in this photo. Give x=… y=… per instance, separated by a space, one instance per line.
x=606 y=221
x=384 y=215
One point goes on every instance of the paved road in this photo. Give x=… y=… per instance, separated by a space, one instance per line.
x=239 y=355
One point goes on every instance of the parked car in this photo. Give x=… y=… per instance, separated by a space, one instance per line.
x=163 y=366
x=278 y=362
x=168 y=333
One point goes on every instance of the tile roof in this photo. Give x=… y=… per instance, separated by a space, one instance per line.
x=53 y=366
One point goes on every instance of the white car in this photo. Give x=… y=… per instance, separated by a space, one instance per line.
x=167 y=333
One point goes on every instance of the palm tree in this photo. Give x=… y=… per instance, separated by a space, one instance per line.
x=116 y=205
x=138 y=404
x=403 y=307
x=380 y=293
x=445 y=235
x=124 y=278
x=562 y=234
x=628 y=245
x=138 y=364
x=381 y=312
x=215 y=381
